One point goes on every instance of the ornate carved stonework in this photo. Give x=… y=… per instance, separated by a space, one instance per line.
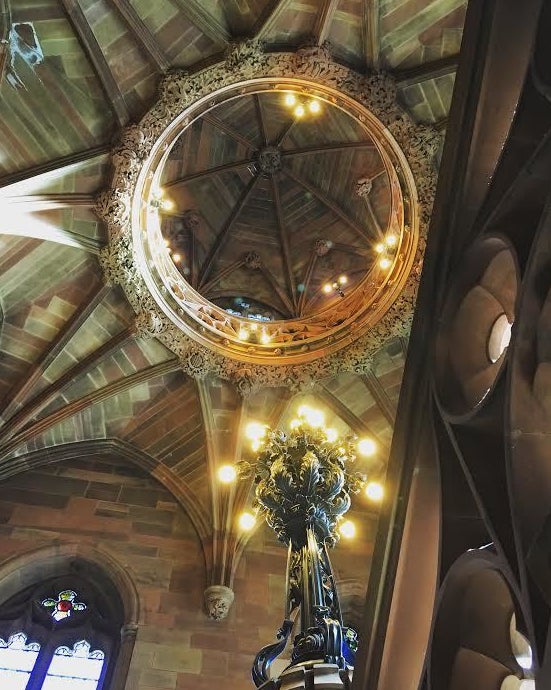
x=218 y=601
x=204 y=336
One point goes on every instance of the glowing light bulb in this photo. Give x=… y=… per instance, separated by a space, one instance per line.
x=391 y=240
x=331 y=435
x=315 y=418
x=247 y=521
x=314 y=106
x=299 y=111
x=385 y=263
x=379 y=248
x=166 y=243
x=243 y=333
x=327 y=288
x=227 y=474
x=176 y=258
x=256 y=445
x=374 y=491
x=290 y=99
x=347 y=529
x=367 y=447
x=295 y=423
x=254 y=431
x=265 y=338
x=343 y=280
x=167 y=205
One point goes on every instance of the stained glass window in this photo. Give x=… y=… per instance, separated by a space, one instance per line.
x=64 y=605
x=75 y=668
x=17 y=660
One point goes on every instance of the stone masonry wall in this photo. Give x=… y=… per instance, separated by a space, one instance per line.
x=119 y=509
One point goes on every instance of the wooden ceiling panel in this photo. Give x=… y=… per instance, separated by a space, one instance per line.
x=429 y=101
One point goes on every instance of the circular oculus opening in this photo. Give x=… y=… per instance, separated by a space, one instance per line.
x=271 y=207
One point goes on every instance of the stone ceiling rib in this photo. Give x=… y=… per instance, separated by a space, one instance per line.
x=18 y=394
x=225 y=167
x=377 y=390
x=97 y=59
x=205 y=21
x=370 y=34
x=284 y=243
x=230 y=131
x=58 y=165
x=269 y=17
x=75 y=406
x=39 y=402
x=428 y=70
x=324 y=19
x=143 y=36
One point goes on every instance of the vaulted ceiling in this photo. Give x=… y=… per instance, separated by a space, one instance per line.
x=74 y=375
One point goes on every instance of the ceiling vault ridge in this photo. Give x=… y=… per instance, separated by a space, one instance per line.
x=180 y=91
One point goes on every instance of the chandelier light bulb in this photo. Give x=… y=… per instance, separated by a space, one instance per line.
x=385 y=263
x=367 y=447
x=295 y=423
x=176 y=258
x=247 y=521
x=343 y=280
x=299 y=111
x=374 y=491
x=243 y=333
x=331 y=435
x=265 y=338
x=327 y=288
x=379 y=248
x=314 y=106
x=255 y=431
x=391 y=240
x=290 y=99
x=167 y=205
x=166 y=243
x=227 y=474
x=347 y=529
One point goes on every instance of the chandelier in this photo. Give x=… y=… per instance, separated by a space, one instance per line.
x=303 y=489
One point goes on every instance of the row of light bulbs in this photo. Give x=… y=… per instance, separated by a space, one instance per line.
x=248 y=331
x=306 y=415
x=301 y=107
x=383 y=248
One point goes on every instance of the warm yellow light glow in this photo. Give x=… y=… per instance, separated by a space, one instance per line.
x=327 y=288
x=290 y=99
x=295 y=423
x=254 y=431
x=176 y=258
x=167 y=205
x=253 y=326
x=227 y=474
x=166 y=242
x=391 y=240
x=299 y=111
x=247 y=521
x=256 y=445
x=332 y=435
x=379 y=248
x=347 y=529
x=315 y=418
x=367 y=447
x=385 y=263
x=243 y=333
x=374 y=491
x=343 y=280
x=314 y=106
x=265 y=338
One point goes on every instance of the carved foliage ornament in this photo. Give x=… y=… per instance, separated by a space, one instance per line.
x=122 y=208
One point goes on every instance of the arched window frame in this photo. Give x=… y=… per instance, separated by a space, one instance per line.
x=101 y=578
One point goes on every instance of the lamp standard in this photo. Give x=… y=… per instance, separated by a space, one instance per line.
x=303 y=487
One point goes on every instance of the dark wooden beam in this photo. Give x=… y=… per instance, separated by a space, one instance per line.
x=225 y=167
x=45 y=397
x=324 y=19
x=260 y=120
x=426 y=71
x=54 y=165
x=379 y=394
x=221 y=237
x=230 y=131
x=329 y=204
x=371 y=34
x=204 y=20
x=276 y=287
x=284 y=132
x=93 y=51
x=284 y=243
x=120 y=385
x=217 y=277
x=142 y=34
x=19 y=392
x=307 y=279
x=328 y=148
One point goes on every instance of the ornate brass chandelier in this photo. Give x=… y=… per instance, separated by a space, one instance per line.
x=303 y=488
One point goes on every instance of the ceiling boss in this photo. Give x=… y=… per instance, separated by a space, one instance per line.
x=248 y=210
